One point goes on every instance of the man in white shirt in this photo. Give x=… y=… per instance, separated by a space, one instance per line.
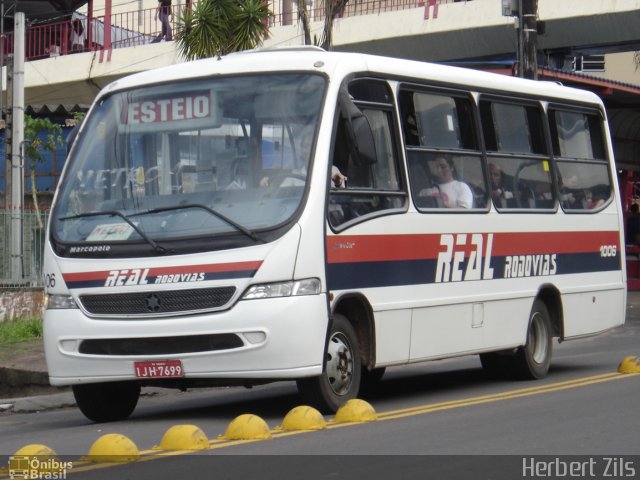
x=453 y=193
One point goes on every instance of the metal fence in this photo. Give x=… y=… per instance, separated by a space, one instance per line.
x=141 y=27
x=26 y=272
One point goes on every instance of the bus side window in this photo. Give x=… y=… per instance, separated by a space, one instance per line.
x=582 y=170
x=365 y=151
x=518 y=162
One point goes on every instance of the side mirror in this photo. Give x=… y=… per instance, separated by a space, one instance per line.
x=364 y=143
x=359 y=133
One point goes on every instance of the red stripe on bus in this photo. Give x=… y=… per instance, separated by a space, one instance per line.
x=211 y=268
x=153 y=272
x=371 y=248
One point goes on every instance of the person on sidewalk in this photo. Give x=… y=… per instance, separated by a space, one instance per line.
x=163 y=13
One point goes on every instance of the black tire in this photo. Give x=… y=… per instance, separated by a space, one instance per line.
x=340 y=379
x=532 y=361
x=107 y=402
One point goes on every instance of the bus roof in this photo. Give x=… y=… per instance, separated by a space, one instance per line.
x=340 y=64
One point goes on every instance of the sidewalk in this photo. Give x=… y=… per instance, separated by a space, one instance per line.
x=24 y=382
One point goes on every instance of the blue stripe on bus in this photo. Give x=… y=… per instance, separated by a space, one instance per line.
x=354 y=275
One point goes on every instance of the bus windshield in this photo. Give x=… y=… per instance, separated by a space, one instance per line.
x=197 y=159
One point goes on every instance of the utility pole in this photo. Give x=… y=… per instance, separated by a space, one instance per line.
x=8 y=130
x=529 y=38
x=525 y=14
x=17 y=164
x=6 y=161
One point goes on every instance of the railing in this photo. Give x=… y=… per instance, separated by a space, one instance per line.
x=127 y=29
x=140 y=27
x=31 y=252
x=284 y=16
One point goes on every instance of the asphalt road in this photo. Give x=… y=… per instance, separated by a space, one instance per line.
x=442 y=420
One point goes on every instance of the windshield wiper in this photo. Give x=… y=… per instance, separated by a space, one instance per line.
x=233 y=223
x=114 y=213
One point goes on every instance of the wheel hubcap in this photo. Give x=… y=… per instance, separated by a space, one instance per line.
x=339 y=364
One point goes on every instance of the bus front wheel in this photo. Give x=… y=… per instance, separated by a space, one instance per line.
x=532 y=360
x=340 y=379
x=107 y=402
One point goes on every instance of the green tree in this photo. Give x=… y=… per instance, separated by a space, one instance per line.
x=217 y=27
x=40 y=135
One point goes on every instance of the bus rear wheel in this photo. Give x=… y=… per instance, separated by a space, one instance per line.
x=107 y=402
x=533 y=359
x=340 y=379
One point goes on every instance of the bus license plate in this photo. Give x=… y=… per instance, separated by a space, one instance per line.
x=159 y=369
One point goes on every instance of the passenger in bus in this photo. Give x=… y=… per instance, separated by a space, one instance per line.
x=338 y=180
x=569 y=196
x=595 y=198
x=452 y=192
x=500 y=191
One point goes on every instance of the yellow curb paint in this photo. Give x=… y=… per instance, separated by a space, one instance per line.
x=508 y=395
x=303 y=418
x=247 y=427
x=41 y=458
x=222 y=442
x=35 y=449
x=356 y=410
x=113 y=448
x=184 y=437
x=630 y=364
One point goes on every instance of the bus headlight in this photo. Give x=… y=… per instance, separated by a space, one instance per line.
x=308 y=286
x=53 y=302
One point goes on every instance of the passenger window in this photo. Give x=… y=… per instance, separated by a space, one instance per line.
x=437 y=121
x=385 y=171
x=373 y=184
x=520 y=184
x=583 y=186
x=576 y=135
x=518 y=166
x=512 y=128
x=440 y=180
x=583 y=174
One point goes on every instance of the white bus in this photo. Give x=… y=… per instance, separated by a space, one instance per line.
x=198 y=239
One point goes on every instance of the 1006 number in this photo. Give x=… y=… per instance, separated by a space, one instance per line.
x=608 y=250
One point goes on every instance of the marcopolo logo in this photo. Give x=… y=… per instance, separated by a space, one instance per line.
x=38 y=467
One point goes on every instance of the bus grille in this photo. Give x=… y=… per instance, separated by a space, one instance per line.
x=157 y=303
x=161 y=345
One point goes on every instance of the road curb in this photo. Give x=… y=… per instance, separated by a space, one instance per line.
x=37 y=403
x=19 y=383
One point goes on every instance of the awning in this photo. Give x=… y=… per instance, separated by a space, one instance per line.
x=41 y=10
x=54 y=109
